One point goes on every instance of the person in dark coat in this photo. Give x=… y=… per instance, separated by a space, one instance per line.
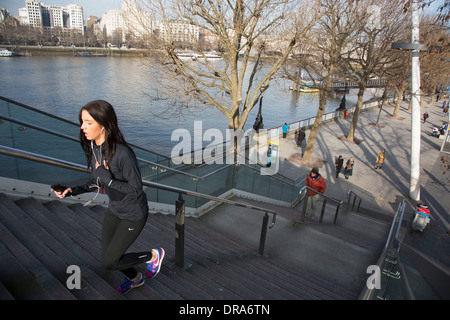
x=338 y=164
x=114 y=169
x=348 y=170
x=301 y=139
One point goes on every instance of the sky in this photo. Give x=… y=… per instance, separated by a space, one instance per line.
x=99 y=7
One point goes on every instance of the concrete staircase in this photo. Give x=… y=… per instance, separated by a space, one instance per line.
x=339 y=253
x=39 y=240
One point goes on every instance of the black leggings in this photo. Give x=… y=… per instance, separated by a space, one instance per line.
x=117 y=236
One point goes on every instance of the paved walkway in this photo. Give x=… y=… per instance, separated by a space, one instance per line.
x=384 y=189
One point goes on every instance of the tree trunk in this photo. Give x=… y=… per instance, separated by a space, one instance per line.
x=432 y=94
x=351 y=131
x=383 y=102
x=400 y=90
x=233 y=124
x=317 y=122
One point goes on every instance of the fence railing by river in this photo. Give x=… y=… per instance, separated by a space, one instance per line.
x=307 y=123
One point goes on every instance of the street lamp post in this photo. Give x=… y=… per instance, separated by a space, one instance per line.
x=414 y=187
x=415 y=47
x=259 y=119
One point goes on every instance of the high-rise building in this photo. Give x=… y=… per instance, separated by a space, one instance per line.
x=34 y=13
x=75 y=16
x=175 y=30
x=111 y=21
x=3 y=14
x=39 y=15
x=128 y=20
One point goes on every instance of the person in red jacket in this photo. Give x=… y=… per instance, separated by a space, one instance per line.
x=316 y=182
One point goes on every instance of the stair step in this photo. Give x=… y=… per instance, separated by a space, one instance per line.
x=41 y=261
x=68 y=249
x=40 y=239
x=22 y=276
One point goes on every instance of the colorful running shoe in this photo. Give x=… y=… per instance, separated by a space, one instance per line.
x=127 y=284
x=154 y=266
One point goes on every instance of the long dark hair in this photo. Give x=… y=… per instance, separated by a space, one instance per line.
x=102 y=112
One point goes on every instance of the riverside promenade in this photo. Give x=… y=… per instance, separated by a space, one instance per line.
x=383 y=190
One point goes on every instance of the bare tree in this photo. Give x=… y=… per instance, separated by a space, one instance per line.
x=8 y=30
x=241 y=32
x=434 y=70
x=398 y=73
x=382 y=23
x=324 y=52
x=442 y=15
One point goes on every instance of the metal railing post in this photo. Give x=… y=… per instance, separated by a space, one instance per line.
x=262 y=240
x=305 y=206
x=323 y=210
x=337 y=212
x=179 y=231
x=349 y=195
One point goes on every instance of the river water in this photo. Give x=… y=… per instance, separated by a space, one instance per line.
x=61 y=85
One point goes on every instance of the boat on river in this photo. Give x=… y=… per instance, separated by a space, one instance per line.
x=305 y=87
x=196 y=56
x=6 y=53
x=89 y=54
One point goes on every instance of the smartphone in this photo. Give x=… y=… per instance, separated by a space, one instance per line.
x=60 y=188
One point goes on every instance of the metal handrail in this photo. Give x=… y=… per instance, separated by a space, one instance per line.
x=321 y=194
x=193 y=176
x=68 y=122
x=326 y=198
x=77 y=167
x=77 y=140
x=13 y=152
x=349 y=195
x=392 y=239
x=39 y=128
x=208 y=197
x=67 y=137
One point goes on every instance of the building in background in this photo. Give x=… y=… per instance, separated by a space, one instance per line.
x=75 y=12
x=124 y=23
x=3 y=14
x=178 y=31
x=128 y=25
x=39 y=15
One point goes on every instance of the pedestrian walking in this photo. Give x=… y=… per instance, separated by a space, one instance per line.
x=338 y=164
x=425 y=117
x=285 y=129
x=114 y=170
x=380 y=160
x=445 y=111
x=269 y=155
x=301 y=139
x=316 y=182
x=348 y=170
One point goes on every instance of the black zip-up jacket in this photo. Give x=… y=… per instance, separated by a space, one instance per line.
x=122 y=183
